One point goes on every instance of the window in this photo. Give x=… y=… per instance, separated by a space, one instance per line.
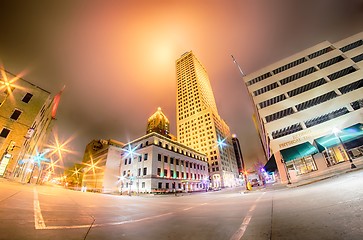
x=167 y=185
x=139 y=172
x=145 y=171
x=140 y=158
x=171 y=160
x=143 y=185
x=129 y=160
x=126 y=161
x=320 y=52
x=286 y=131
x=280 y=114
x=27 y=97
x=288 y=66
x=176 y=161
x=265 y=89
x=166 y=159
x=171 y=173
x=159 y=157
x=145 y=156
x=124 y=173
x=297 y=76
x=8 y=91
x=326 y=117
x=260 y=78
x=165 y=172
x=15 y=114
x=306 y=87
x=160 y=185
x=159 y=171
x=352 y=46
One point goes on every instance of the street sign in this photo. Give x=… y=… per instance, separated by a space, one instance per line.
x=4 y=163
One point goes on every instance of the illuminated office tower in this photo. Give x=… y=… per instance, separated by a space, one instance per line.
x=199 y=125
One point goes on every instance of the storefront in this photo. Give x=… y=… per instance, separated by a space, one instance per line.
x=299 y=159
x=335 y=147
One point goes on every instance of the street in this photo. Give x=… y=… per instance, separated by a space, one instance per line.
x=328 y=209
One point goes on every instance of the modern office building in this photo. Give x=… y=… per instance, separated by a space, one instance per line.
x=309 y=107
x=24 y=121
x=101 y=161
x=156 y=163
x=238 y=154
x=199 y=125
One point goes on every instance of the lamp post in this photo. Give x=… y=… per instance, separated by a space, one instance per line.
x=287 y=171
x=336 y=132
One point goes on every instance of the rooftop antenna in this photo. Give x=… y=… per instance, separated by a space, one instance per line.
x=239 y=68
x=256 y=113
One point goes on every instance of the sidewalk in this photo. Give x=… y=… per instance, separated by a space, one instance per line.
x=332 y=171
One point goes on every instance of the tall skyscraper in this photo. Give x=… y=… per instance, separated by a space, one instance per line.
x=199 y=125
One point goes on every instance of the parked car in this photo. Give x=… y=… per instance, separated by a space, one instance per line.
x=255 y=183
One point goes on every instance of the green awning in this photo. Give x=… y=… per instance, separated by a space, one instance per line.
x=346 y=135
x=298 y=151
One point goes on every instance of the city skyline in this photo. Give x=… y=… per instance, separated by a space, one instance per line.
x=116 y=57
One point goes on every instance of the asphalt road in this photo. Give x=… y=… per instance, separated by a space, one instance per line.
x=329 y=209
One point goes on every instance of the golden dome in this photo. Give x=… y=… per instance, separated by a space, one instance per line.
x=158 y=123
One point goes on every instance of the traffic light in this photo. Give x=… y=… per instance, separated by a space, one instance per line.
x=11 y=146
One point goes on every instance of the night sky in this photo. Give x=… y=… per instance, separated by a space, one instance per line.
x=117 y=58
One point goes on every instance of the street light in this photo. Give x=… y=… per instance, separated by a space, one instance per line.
x=92 y=166
x=131 y=152
x=37 y=160
x=336 y=132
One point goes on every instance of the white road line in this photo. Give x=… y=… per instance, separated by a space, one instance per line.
x=40 y=224
x=241 y=230
x=108 y=224
x=38 y=217
x=186 y=209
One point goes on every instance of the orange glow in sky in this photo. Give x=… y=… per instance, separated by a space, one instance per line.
x=117 y=58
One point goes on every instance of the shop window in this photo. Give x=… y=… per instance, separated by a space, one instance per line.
x=303 y=165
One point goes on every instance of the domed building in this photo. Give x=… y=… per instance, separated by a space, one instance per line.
x=158 y=123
